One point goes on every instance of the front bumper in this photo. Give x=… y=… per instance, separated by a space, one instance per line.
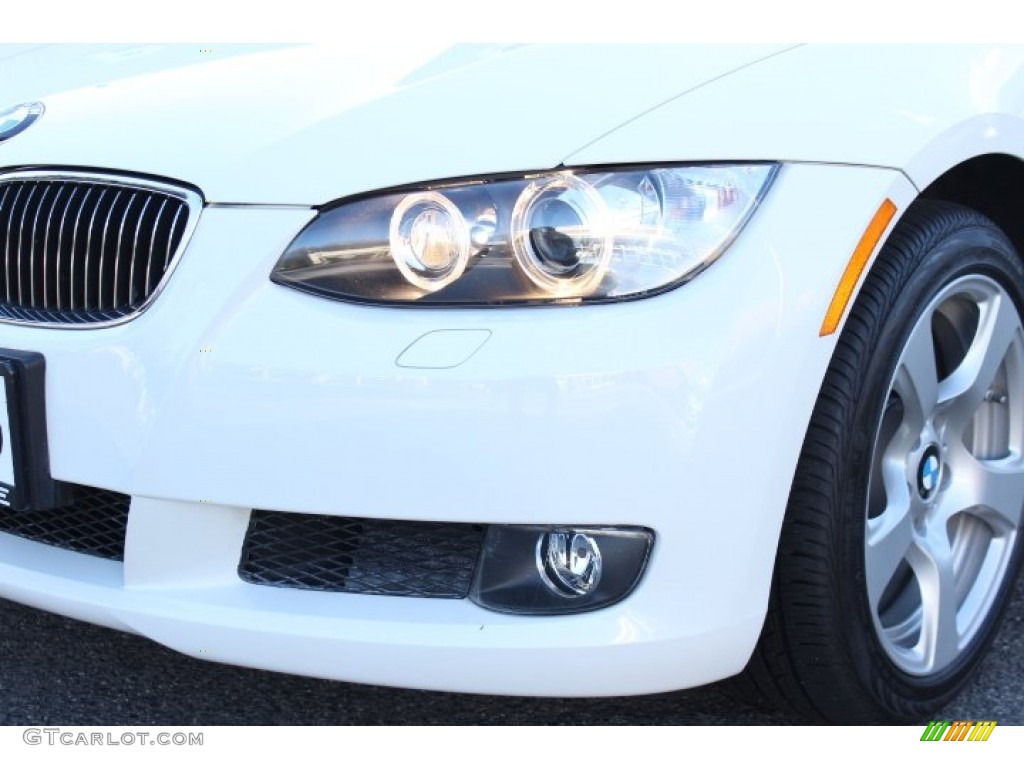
x=683 y=413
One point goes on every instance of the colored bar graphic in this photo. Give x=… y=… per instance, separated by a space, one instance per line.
x=959 y=730
x=982 y=730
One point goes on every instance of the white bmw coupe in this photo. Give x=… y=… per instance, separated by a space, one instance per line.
x=557 y=371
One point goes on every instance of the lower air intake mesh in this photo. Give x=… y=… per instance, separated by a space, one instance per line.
x=93 y=523
x=361 y=555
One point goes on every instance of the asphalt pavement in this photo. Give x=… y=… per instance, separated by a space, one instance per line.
x=59 y=671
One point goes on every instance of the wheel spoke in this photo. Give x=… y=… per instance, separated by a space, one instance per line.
x=963 y=391
x=889 y=538
x=932 y=561
x=916 y=380
x=992 y=489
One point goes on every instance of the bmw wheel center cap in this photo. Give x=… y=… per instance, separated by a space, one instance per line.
x=16 y=119
x=929 y=471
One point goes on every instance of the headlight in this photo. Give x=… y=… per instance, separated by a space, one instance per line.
x=559 y=236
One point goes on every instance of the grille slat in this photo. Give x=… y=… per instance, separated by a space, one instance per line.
x=152 y=245
x=94 y=523
x=88 y=251
x=46 y=247
x=360 y=555
x=80 y=248
x=174 y=224
x=60 y=242
x=8 y=221
x=32 y=247
x=120 y=240
x=103 y=249
x=21 y=235
x=130 y=298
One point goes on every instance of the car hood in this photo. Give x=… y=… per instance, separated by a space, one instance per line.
x=306 y=125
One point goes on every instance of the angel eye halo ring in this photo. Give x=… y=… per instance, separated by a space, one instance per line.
x=429 y=239
x=560 y=235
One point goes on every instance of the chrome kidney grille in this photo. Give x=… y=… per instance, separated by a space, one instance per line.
x=87 y=249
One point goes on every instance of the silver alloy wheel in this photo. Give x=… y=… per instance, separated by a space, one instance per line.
x=947 y=477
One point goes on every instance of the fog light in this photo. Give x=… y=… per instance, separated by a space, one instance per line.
x=569 y=562
x=549 y=570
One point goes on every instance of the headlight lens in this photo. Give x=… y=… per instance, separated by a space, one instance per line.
x=560 y=236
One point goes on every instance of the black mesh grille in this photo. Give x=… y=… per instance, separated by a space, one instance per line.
x=94 y=523
x=349 y=554
x=83 y=251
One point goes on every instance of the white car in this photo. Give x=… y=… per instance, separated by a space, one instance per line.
x=556 y=371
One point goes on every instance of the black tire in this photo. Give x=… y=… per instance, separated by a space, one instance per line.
x=825 y=652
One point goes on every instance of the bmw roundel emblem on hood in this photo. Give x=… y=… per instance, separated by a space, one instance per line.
x=16 y=119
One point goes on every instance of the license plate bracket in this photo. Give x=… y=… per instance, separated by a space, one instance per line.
x=25 y=481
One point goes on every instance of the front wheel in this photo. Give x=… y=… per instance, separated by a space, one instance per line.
x=901 y=540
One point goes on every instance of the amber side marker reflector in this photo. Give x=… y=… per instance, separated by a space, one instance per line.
x=859 y=260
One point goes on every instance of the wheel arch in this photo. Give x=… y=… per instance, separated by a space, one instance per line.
x=992 y=184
